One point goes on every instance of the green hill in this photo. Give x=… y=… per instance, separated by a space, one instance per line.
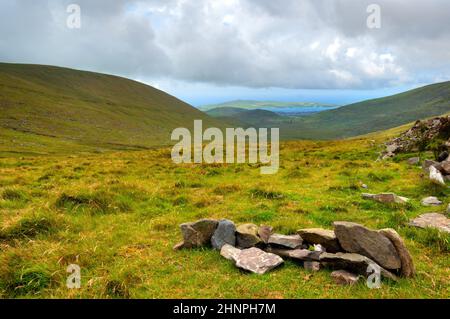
x=372 y=115
x=48 y=109
x=243 y=117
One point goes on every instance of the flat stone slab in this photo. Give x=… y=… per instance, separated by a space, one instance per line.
x=434 y=220
x=431 y=201
x=292 y=241
x=229 y=252
x=324 y=237
x=257 y=261
x=355 y=238
x=386 y=198
x=296 y=254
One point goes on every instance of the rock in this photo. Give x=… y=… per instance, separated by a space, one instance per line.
x=247 y=236
x=436 y=176
x=364 y=186
x=198 y=234
x=414 y=161
x=431 y=201
x=355 y=263
x=179 y=246
x=311 y=265
x=342 y=277
x=445 y=167
x=264 y=232
x=296 y=254
x=324 y=237
x=257 y=261
x=407 y=270
x=355 y=238
x=293 y=241
x=433 y=220
x=224 y=234
x=443 y=156
x=229 y=252
x=429 y=163
x=389 y=198
x=320 y=248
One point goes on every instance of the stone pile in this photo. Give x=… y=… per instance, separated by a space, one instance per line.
x=350 y=249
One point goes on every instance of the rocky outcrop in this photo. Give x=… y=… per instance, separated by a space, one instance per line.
x=355 y=238
x=433 y=220
x=325 y=238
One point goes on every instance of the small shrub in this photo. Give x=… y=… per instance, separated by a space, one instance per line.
x=30 y=227
x=28 y=280
x=13 y=195
x=261 y=193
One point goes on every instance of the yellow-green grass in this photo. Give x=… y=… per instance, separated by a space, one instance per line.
x=117 y=215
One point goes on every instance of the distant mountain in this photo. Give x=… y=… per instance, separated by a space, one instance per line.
x=252 y=105
x=51 y=109
x=242 y=117
x=372 y=115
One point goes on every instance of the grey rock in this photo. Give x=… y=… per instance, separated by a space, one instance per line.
x=342 y=277
x=445 y=167
x=355 y=238
x=229 y=252
x=431 y=201
x=257 y=261
x=355 y=263
x=264 y=232
x=311 y=265
x=247 y=236
x=429 y=163
x=296 y=254
x=292 y=241
x=436 y=176
x=323 y=237
x=433 y=220
x=388 y=198
x=408 y=270
x=224 y=234
x=198 y=234
x=443 y=156
x=414 y=161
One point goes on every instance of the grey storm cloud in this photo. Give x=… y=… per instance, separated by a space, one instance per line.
x=252 y=43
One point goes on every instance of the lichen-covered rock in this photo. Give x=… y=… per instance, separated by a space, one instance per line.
x=355 y=238
x=224 y=234
x=247 y=236
x=324 y=237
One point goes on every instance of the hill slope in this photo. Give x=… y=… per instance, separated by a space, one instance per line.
x=46 y=107
x=243 y=117
x=373 y=115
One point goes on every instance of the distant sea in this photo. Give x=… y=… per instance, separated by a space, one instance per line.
x=299 y=111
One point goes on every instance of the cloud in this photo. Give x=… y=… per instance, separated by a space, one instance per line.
x=310 y=44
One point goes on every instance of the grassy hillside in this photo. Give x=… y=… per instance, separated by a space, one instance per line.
x=117 y=216
x=243 y=117
x=252 y=105
x=49 y=109
x=373 y=115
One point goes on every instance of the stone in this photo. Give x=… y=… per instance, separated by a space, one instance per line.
x=355 y=263
x=247 y=236
x=311 y=265
x=364 y=186
x=179 y=246
x=198 y=234
x=264 y=232
x=342 y=277
x=292 y=241
x=431 y=201
x=445 y=167
x=436 y=176
x=434 y=220
x=323 y=237
x=443 y=156
x=355 y=238
x=429 y=163
x=225 y=234
x=414 y=161
x=296 y=254
x=257 y=261
x=407 y=270
x=229 y=252
x=388 y=198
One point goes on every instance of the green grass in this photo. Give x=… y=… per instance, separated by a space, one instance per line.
x=117 y=216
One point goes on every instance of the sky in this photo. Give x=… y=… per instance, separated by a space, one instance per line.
x=212 y=51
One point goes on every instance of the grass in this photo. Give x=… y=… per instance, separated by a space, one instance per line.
x=117 y=216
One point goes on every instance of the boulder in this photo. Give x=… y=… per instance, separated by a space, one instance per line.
x=434 y=220
x=431 y=201
x=445 y=167
x=387 y=198
x=429 y=163
x=296 y=254
x=229 y=252
x=436 y=176
x=355 y=263
x=224 y=234
x=311 y=265
x=264 y=232
x=323 y=237
x=443 y=156
x=257 y=261
x=292 y=241
x=247 y=236
x=342 y=277
x=407 y=270
x=414 y=161
x=199 y=233
x=355 y=238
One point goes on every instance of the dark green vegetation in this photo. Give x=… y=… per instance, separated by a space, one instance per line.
x=45 y=109
x=243 y=117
